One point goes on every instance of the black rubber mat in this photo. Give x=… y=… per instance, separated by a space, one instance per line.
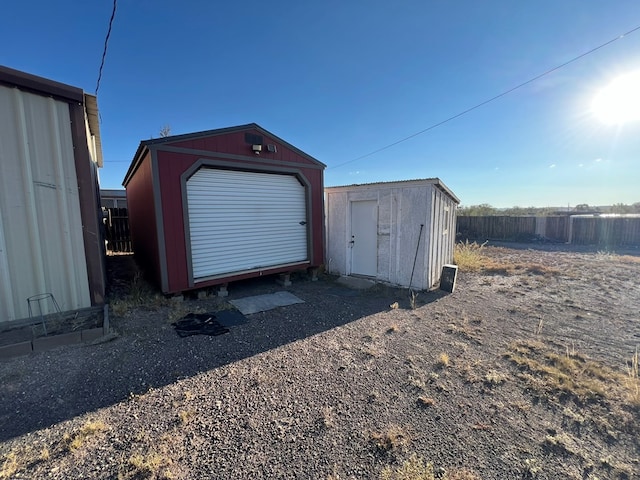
x=231 y=318
x=199 y=324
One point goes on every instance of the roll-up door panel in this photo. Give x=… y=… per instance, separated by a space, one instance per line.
x=241 y=221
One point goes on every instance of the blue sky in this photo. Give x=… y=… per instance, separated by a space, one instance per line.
x=341 y=79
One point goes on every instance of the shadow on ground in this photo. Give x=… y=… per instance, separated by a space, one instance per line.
x=43 y=389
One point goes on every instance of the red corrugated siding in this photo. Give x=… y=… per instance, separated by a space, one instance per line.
x=172 y=165
x=142 y=219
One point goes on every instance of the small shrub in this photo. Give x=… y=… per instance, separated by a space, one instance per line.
x=186 y=415
x=494 y=378
x=150 y=464
x=45 y=454
x=468 y=256
x=443 y=360
x=90 y=428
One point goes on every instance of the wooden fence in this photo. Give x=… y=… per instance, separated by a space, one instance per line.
x=605 y=231
x=117 y=232
x=577 y=229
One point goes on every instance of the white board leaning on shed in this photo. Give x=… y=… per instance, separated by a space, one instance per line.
x=400 y=233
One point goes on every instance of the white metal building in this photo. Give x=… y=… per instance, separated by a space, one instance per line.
x=390 y=231
x=50 y=236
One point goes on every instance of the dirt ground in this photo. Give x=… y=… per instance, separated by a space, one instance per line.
x=526 y=371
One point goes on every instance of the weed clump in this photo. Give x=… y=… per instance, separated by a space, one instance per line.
x=415 y=469
x=468 y=256
x=391 y=439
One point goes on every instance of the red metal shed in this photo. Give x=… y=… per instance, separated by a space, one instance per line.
x=212 y=207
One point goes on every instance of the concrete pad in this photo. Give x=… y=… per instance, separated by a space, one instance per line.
x=356 y=282
x=262 y=303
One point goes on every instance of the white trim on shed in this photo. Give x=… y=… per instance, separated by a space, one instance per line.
x=243 y=221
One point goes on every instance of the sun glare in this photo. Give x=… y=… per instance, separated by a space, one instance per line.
x=619 y=102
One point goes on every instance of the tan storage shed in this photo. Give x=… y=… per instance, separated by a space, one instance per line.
x=50 y=219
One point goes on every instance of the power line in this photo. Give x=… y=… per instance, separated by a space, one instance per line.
x=106 y=42
x=506 y=92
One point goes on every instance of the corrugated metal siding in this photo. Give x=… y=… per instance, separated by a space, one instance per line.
x=41 y=244
x=241 y=221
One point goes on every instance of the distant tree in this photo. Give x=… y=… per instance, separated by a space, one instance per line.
x=585 y=208
x=165 y=131
x=621 y=208
x=481 y=210
x=636 y=207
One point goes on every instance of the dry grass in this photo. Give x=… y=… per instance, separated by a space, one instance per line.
x=493 y=377
x=392 y=328
x=391 y=439
x=24 y=458
x=633 y=379
x=89 y=429
x=572 y=374
x=415 y=469
x=141 y=294
x=185 y=415
x=328 y=418
x=472 y=257
x=468 y=256
x=444 y=360
x=10 y=465
x=149 y=465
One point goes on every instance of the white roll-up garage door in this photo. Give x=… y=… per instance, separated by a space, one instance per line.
x=243 y=221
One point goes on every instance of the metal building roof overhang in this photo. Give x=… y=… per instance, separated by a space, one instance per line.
x=67 y=93
x=93 y=119
x=146 y=144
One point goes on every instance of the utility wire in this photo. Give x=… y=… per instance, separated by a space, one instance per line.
x=506 y=92
x=106 y=42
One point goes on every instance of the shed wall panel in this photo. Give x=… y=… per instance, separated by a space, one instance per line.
x=142 y=220
x=41 y=243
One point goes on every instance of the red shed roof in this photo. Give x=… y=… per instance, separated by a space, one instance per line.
x=145 y=144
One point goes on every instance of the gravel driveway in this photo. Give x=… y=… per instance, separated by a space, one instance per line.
x=343 y=385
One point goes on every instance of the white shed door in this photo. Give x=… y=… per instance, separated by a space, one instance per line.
x=242 y=221
x=364 y=238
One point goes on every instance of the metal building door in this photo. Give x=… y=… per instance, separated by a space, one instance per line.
x=364 y=238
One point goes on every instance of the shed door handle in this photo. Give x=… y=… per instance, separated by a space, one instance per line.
x=303 y=222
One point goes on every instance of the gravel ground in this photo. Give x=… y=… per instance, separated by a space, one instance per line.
x=343 y=385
